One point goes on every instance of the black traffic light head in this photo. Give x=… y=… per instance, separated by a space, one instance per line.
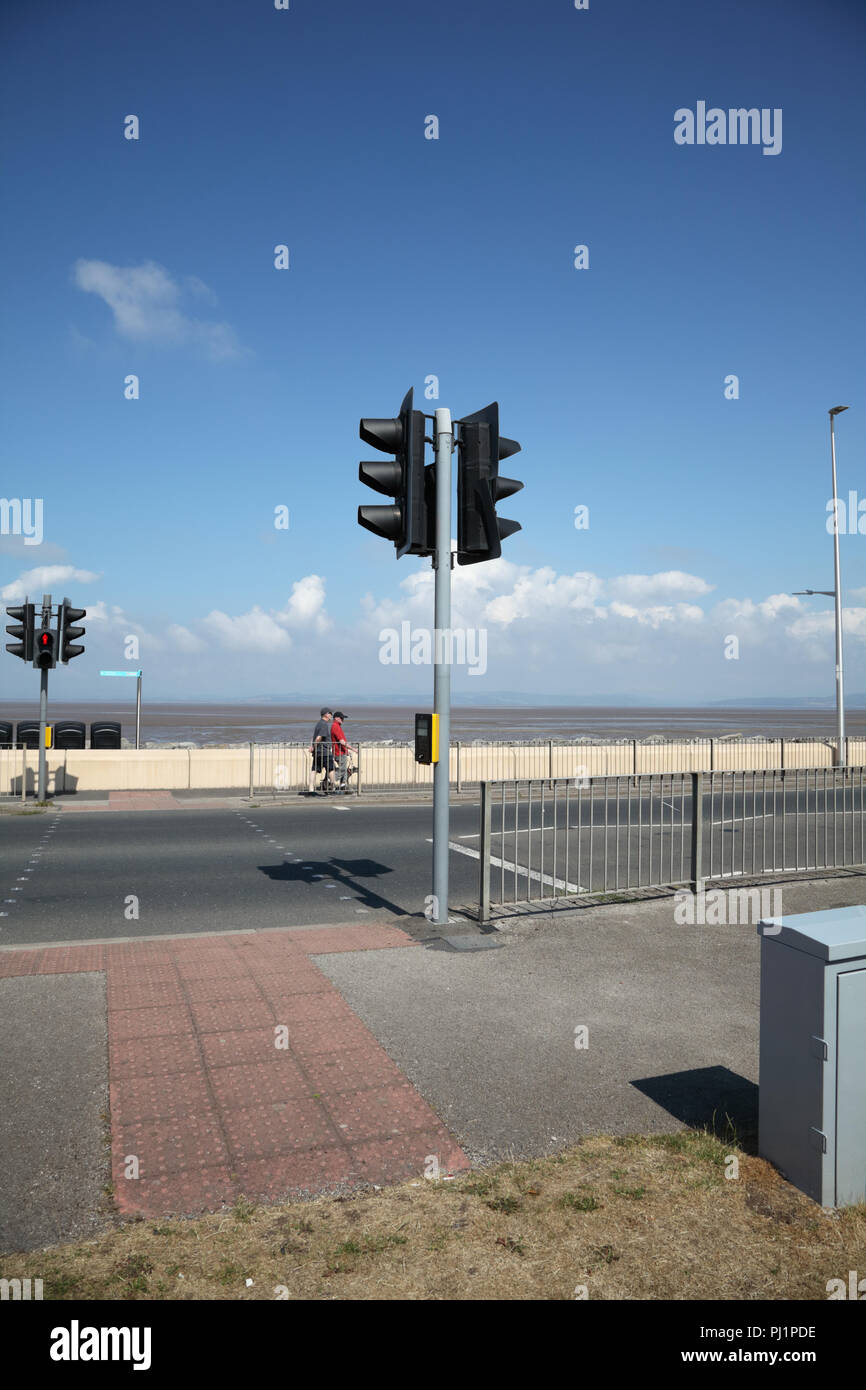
x=405 y=521
x=480 y=531
x=68 y=634
x=23 y=630
x=45 y=649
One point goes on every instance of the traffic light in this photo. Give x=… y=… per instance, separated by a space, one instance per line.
x=480 y=531
x=408 y=522
x=45 y=653
x=23 y=630
x=427 y=738
x=66 y=617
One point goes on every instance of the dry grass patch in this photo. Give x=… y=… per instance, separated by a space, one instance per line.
x=644 y=1217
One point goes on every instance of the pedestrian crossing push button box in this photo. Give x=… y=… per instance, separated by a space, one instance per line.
x=812 y=1094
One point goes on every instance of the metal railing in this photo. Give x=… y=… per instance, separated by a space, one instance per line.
x=541 y=840
x=384 y=766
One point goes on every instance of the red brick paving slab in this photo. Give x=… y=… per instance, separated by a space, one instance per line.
x=21 y=963
x=307 y=981
x=259 y=1083
x=188 y=1192
x=131 y=971
x=309 y=1171
x=163 y=1056
x=320 y=941
x=300 y=1123
x=138 y=1098
x=231 y=1015
x=127 y=992
x=170 y=1145
x=222 y=968
x=333 y=1072
x=380 y=1111
x=261 y=943
x=334 y=1036
x=395 y=1160
x=215 y=988
x=139 y=952
x=246 y=1046
x=208 y=1103
x=141 y=801
x=306 y=1009
x=149 y=1023
x=62 y=960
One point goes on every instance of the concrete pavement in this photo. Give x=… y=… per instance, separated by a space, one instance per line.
x=54 y=1125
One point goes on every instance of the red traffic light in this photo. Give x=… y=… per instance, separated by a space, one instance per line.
x=43 y=657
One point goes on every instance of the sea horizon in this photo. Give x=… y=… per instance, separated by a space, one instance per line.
x=230 y=723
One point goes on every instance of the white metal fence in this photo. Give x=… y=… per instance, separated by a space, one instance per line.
x=541 y=840
x=283 y=767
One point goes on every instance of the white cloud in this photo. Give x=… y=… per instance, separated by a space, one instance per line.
x=633 y=587
x=306 y=605
x=43 y=579
x=145 y=302
x=256 y=630
x=658 y=614
x=183 y=638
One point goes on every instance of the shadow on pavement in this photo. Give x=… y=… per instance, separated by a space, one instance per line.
x=714 y=1098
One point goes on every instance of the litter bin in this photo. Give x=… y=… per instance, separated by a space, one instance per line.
x=28 y=732
x=105 y=734
x=6 y=733
x=812 y=1094
x=69 y=733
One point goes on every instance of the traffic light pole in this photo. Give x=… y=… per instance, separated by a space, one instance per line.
x=443 y=440
x=42 y=783
x=43 y=720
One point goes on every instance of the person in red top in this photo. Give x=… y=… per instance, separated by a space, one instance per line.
x=341 y=750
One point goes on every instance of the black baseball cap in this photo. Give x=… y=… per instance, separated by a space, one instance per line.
x=338 y=714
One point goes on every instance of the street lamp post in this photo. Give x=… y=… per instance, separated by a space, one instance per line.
x=837 y=584
x=836 y=594
x=137 y=700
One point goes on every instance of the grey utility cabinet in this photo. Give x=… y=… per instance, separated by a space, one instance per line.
x=812 y=1096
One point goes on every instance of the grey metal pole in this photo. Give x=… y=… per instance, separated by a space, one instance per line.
x=138 y=712
x=42 y=779
x=43 y=719
x=443 y=440
x=484 y=865
x=837 y=585
x=697 y=830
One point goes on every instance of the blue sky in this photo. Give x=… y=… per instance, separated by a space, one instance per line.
x=412 y=257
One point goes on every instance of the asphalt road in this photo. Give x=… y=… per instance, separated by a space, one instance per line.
x=82 y=877
x=102 y=875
